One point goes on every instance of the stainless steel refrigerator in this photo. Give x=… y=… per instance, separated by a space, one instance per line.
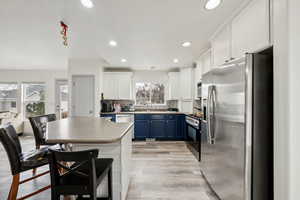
x=237 y=157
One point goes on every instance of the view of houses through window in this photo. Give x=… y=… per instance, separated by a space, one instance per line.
x=150 y=93
x=8 y=97
x=33 y=99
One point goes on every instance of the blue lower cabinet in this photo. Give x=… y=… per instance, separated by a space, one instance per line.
x=164 y=127
x=141 y=129
x=171 y=129
x=157 y=129
x=181 y=131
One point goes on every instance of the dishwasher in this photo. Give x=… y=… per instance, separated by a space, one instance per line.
x=125 y=118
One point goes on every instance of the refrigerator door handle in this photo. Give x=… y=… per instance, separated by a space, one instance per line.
x=213 y=100
x=209 y=117
x=248 y=128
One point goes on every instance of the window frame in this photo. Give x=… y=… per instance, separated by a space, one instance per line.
x=17 y=97
x=24 y=102
x=151 y=86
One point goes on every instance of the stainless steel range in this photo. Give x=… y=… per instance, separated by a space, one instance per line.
x=194 y=135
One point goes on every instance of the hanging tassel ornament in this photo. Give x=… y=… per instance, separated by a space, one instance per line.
x=63 y=32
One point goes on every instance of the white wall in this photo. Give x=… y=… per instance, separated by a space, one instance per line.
x=287 y=98
x=46 y=76
x=87 y=67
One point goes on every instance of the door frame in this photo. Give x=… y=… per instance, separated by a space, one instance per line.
x=72 y=92
x=56 y=90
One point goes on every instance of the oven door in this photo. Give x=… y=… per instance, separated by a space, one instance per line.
x=194 y=140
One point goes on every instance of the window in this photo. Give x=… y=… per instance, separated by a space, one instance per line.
x=33 y=99
x=150 y=93
x=8 y=97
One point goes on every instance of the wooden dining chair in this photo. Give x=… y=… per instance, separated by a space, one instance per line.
x=21 y=161
x=82 y=176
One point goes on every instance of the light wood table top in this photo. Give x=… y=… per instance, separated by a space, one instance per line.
x=86 y=130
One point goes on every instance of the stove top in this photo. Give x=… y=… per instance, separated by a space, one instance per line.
x=194 y=116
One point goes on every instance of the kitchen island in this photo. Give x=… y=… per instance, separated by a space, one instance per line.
x=114 y=140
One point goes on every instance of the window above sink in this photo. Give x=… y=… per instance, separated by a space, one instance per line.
x=148 y=94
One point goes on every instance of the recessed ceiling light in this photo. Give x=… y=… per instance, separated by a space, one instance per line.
x=186 y=44
x=212 y=4
x=113 y=43
x=175 y=60
x=87 y=3
x=123 y=60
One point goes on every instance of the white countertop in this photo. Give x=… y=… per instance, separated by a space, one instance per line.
x=86 y=130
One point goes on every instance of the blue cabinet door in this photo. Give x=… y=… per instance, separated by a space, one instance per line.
x=141 y=129
x=171 y=129
x=181 y=130
x=157 y=129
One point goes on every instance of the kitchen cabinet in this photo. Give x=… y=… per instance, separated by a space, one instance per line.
x=157 y=129
x=206 y=61
x=174 y=93
x=110 y=87
x=221 y=46
x=141 y=129
x=125 y=87
x=117 y=85
x=159 y=126
x=181 y=127
x=171 y=128
x=186 y=83
x=251 y=28
x=197 y=76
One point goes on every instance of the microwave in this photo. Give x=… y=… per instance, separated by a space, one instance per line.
x=199 y=90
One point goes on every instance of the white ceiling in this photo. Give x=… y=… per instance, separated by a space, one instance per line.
x=148 y=32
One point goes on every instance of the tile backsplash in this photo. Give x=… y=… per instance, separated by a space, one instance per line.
x=169 y=104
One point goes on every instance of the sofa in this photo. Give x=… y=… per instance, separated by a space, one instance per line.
x=15 y=119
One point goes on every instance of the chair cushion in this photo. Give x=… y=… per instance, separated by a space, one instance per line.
x=102 y=164
x=36 y=158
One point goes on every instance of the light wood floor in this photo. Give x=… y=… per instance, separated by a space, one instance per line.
x=161 y=171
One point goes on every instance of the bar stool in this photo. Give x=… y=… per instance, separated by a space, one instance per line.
x=39 y=126
x=82 y=177
x=21 y=161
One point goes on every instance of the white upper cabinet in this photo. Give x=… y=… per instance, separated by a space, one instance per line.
x=197 y=76
x=186 y=83
x=206 y=61
x=174 y=92
x=117 y=85
x=251 y=28
x=221 y=49
x=110 y=87
x=125 y=86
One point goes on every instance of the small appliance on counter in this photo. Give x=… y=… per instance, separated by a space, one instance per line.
x=173 y=109
x=106 y=107
x=117 y=108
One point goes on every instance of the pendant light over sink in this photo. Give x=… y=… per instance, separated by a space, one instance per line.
x=212 y=4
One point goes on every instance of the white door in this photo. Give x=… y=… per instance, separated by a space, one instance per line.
x=61 y=99
x=83 y=96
